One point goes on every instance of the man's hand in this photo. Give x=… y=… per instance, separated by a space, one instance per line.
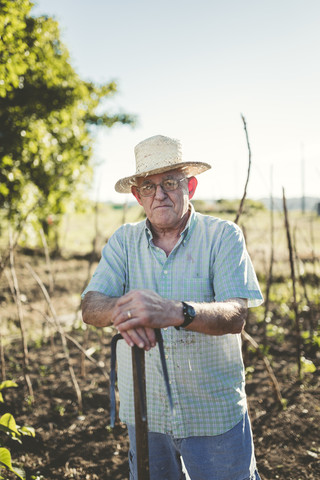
x=137 y=313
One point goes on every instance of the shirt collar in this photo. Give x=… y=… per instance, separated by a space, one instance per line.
x=148 y=231
x=186 y=232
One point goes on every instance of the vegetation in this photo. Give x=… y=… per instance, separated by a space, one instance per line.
x=48 y=116
x=10 y=430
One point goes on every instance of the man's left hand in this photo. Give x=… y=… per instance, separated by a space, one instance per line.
x=137 y=313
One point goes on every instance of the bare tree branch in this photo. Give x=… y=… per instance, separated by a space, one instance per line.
x=248 y=173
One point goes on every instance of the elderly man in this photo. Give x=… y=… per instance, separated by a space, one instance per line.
x=190 y=275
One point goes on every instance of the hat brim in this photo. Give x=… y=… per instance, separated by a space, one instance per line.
x=190 y=168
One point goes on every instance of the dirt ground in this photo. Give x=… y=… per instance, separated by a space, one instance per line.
x=80 y=445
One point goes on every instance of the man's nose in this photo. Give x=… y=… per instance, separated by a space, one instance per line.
x=160 y=193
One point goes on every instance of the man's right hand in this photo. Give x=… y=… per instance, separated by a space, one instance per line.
x=143 y=337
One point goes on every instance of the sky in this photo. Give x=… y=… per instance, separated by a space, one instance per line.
x=189 y=70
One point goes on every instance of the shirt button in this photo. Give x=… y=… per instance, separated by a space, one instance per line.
x=167 y=356
x=165 y=272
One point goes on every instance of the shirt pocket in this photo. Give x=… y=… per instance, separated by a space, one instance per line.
x=195 y=289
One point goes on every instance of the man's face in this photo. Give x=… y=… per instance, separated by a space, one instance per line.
x=164 y=209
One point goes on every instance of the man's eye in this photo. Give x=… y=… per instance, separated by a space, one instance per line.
x=169 y=183
x=147 y=188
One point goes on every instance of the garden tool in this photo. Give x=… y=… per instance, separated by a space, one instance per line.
x=140 y=403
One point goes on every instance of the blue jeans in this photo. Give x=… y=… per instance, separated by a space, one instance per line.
x=229 y=456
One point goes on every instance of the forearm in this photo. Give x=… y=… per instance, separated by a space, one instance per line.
x=97 y=309
x=149 y=310
x=219 y=318
x=100 y=310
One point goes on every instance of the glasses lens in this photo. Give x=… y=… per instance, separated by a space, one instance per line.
x=147 y=190
x=168 y=185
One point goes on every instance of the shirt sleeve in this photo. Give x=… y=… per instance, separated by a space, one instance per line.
x=109 y=277
x=234 y=275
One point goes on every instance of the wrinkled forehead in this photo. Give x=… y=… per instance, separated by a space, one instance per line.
x=176 y=174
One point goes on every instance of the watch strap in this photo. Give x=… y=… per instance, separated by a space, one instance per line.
x=187 y=317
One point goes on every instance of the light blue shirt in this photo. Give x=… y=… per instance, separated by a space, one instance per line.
x=209 y=263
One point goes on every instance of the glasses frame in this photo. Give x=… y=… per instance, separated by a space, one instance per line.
x=155 y=185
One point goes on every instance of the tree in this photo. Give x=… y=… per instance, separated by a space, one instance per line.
x=47 y=117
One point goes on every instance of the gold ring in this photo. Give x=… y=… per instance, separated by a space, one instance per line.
x=129 y=314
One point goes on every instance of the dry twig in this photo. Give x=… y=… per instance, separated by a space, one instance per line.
x=60 y=330
x=270 y=273
x=248 y=173
x=48 y=261
x=272 y=376
x=3 y=362
x=14 y=242
x=303 y=283
x=293 y=279
x=100 y=365
x=17 y=300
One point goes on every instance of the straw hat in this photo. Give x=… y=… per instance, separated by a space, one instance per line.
x=156 y=155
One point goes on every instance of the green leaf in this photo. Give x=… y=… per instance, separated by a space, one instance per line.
x=8 y=422
x=27 y=431
x=307 y=366
x=19 y=472
x=5 y=458
x=5 y=461
x=7 y=384
x=316 y=340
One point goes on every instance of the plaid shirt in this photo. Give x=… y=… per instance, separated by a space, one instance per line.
x=209 y=263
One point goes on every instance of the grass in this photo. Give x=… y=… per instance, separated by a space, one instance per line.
x=78 y=232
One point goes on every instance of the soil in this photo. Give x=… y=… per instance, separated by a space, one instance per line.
x=73 y=444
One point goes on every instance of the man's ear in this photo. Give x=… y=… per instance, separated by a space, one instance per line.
x=192 y=185
x=135 y=193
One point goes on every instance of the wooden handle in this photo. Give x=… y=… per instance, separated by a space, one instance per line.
x=140 y=408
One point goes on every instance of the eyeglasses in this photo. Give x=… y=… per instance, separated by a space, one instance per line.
x=168 y=185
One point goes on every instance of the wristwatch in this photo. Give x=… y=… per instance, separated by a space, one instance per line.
x=189 y=314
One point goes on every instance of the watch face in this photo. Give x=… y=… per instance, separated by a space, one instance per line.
x=191 y=311
x=189 y=314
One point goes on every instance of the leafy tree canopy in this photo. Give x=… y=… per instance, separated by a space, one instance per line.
x=46 y=116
